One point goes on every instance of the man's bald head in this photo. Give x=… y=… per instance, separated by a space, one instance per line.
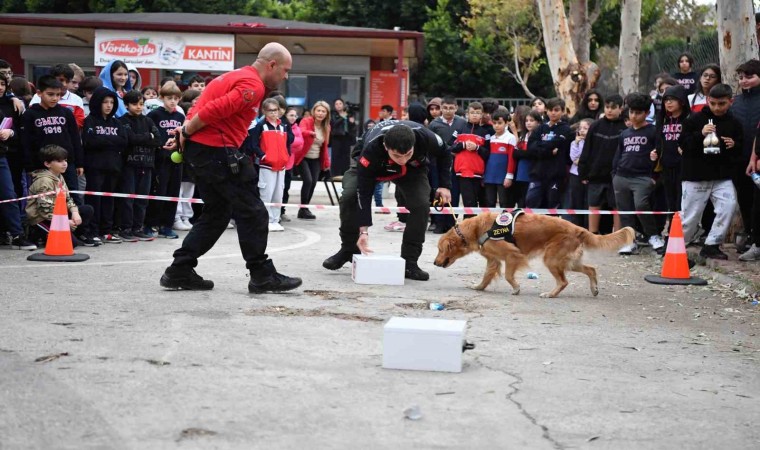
x=273 y=64
x=274 y=51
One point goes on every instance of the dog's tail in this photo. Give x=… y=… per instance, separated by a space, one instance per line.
x=612 y=241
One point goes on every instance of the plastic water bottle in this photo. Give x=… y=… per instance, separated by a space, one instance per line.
x=436 y=306
x=756 y=179
x=532 y=276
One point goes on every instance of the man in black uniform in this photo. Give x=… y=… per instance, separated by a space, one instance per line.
x=397 y=151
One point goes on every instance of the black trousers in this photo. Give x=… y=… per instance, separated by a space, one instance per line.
x=40 y=231
x=504 y=195
x=416 y=191
x=470 y=189
x=167 y=178
x=341 y=154
x=226 y=196
x=745 y=190
x=103 y=207
x=309 y=170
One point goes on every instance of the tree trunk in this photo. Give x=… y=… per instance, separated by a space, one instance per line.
x=737 y=39
x=581 y=26
x=560 y=53
x=630 y=46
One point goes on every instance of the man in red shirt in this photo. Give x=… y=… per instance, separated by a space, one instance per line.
x=227 y=180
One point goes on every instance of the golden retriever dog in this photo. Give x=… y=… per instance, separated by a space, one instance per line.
x=561 y=242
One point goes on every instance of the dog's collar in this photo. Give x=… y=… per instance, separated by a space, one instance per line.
x=460 y=234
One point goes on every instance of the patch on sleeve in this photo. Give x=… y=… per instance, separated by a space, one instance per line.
x=364 y=161
x=249 y=95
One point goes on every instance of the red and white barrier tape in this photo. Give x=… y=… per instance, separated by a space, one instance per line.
x=28 y=197
x=383 y=209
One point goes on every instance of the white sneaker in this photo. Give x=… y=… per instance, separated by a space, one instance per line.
x=629 y=249
x=187 y=223
x=390 y=226
x=400 y=226
x=179 y=225
x=753 y=254
x=231 y=225
x=656 y=241
x=276 y=227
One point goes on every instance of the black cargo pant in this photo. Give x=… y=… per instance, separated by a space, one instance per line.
x=226 y=195
x=414 y=187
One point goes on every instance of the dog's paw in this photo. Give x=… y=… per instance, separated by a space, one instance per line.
x=515 y=291
x=477 y=287
x=546 y=295
x=594 y=291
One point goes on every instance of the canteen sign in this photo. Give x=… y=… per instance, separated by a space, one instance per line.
x=188 y=51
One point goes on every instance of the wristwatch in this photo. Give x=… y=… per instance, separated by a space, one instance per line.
x=185 y=134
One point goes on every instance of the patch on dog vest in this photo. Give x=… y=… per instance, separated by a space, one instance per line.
x=502 y=228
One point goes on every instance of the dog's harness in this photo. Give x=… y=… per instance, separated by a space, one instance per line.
x=503 y=227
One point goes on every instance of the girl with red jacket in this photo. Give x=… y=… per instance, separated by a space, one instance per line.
x=314 y=157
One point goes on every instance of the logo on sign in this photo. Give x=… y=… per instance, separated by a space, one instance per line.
x=128 y=47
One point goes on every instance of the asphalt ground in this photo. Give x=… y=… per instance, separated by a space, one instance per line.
x=97 y=355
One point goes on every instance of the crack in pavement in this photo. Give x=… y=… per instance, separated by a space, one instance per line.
x=515 y=389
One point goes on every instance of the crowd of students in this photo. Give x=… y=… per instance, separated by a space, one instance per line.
x=116 y=137
x=647 y=152
x=689 y=146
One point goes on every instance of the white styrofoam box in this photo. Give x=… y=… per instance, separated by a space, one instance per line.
x=378 y=269
x=423 y=344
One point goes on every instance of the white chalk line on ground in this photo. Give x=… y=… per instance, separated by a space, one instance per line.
x=311 y=238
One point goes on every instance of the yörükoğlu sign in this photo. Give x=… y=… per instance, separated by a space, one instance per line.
x=188 y=51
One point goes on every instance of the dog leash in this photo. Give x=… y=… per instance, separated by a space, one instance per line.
x=438 y=205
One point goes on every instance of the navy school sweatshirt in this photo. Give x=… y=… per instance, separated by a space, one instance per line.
x=165 y=121
x=103 y=137
x=55 y=126
x=632 y=157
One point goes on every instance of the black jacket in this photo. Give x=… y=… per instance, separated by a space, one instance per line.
x=341 y=128
x=541 y=145
x=698 y=166
x=7 y=110
x=374 y=164
x=599 y=149
x=448 y=133
x=143 y=136
x=669 y=128
x=632 y=158
x=55 y=126
x=746 y=108
x=104 y=138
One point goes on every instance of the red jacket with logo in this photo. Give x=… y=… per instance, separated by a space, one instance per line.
x=227 y=106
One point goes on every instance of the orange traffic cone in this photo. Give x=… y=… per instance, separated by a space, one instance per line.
x=675 y=266
x=59 y=246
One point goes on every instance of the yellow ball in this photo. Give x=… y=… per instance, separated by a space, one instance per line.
x=176 y=157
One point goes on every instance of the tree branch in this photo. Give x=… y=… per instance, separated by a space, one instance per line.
x=518 y=76
x=595 y=12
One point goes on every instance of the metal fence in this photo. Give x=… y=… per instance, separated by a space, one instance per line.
x=510 y=103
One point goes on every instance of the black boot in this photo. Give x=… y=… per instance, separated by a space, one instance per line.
x=275 y=282
x=337 y=260
x=305 y=214
x=712 y=252
x=413 y=272
x=176 y=278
